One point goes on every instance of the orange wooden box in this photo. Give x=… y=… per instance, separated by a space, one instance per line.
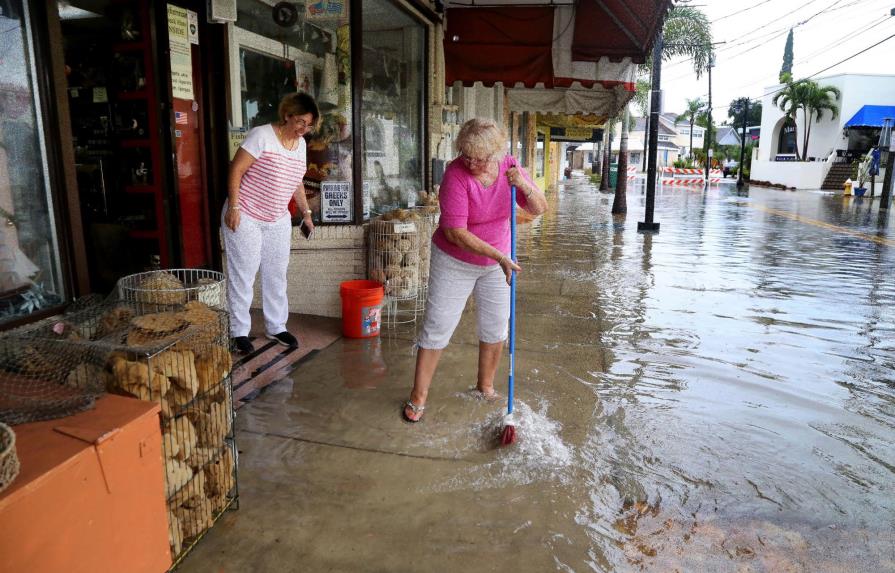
x=91 y=494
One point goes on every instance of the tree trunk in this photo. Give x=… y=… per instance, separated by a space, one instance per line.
x=797 y=135
x=692 y=121
x=607 y=155
x=619 y=203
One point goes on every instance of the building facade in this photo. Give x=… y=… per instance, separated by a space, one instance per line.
x=774 y=161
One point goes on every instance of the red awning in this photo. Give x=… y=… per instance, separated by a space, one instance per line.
x=616 y=28
x=532 y=45
x=506 y=45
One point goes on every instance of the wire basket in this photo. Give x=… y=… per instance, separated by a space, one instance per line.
x=174 y=286
x=9 y=461
x=177 y=356
x=395 y=262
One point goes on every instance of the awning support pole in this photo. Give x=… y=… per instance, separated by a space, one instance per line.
x=648 y=224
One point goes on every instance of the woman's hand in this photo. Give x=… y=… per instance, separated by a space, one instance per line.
x=514 y=175
x=308 y=223
x=231 y=218
x=508 y=266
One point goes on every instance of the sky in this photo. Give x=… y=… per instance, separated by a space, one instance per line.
x=748 y=62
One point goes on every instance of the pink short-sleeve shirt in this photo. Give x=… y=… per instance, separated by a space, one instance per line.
x=271 y=181
x=483 y=211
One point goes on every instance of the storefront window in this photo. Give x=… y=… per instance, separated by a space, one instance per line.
x=394 y=90
x=30 y=278
x=275 y=52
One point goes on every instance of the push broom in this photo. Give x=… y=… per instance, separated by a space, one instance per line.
x=508 y=433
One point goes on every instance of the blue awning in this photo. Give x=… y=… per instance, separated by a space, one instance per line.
x=871 y=116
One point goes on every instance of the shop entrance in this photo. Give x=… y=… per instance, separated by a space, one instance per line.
x=138 y=210
x=114 y=119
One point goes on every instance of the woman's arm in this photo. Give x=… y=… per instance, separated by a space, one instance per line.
x=470 y=243
x=302 y=201
x=240 y=164
x=535 y=201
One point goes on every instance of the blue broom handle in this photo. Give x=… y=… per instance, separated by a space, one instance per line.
x=512 y=299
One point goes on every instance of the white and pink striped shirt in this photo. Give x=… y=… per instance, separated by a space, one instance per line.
x=269 y=183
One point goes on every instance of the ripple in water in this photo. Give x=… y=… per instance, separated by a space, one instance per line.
x=539 y=453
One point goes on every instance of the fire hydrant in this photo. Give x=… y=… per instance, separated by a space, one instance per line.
x=847 y=187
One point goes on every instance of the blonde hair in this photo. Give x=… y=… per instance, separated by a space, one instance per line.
x=481 y=138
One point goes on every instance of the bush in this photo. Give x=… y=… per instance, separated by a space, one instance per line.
x=595 y=178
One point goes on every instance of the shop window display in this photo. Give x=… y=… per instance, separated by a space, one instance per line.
x=394 y=95
x=30 y=277
x=273 y=55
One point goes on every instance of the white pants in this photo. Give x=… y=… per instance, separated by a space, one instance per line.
x=257 y=243
x=451 y=281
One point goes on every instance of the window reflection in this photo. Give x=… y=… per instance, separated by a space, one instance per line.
x=313 y=56
x=29 y=259
x=394 y=84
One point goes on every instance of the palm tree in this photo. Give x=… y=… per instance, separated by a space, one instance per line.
x=620 y=201
x=694 y=108
x=816 y=100
x=687 y=33
x=789 y=100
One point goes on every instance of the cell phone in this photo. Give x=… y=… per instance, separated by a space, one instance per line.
x=305 y=230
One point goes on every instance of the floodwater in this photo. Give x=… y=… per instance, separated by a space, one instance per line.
x=719 y=396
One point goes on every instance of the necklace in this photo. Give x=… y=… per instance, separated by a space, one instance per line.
x=489 y=176
x=283 y=141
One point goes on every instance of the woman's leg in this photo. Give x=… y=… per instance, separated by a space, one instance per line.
x=426 y=363
x=492 y=300
x=489 y=360
x=450 y=284
x=243 y=251
x=276 y=246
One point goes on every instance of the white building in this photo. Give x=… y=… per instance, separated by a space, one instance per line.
x=774 y=162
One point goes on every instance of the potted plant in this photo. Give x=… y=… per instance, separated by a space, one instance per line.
x=862 y=174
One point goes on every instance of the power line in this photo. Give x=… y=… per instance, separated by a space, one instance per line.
x=740 y=11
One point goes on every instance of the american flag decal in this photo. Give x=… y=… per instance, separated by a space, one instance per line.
x=181 y=118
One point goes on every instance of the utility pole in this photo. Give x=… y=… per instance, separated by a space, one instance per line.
x=885 y=144
x=648 y=224
x=708 y=131
x=745 y=103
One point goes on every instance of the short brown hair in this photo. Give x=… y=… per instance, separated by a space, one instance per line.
x=298 y=103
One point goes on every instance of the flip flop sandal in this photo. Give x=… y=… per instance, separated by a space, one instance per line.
x=413 y=408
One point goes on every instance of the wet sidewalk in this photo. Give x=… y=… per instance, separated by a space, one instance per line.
x=716 y=397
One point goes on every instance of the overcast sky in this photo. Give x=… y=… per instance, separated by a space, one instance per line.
x=825 y=32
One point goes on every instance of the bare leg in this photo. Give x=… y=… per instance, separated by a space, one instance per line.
x=489 y=360
x=426 y=363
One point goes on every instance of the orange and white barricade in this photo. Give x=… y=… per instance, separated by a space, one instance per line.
x=682 y=176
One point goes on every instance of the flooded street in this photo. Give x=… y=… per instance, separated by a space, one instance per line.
x=719 y=396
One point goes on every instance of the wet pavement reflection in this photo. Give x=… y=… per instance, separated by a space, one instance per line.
x=719 y=396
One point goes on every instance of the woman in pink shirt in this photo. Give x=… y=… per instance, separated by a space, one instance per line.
x=470 y=254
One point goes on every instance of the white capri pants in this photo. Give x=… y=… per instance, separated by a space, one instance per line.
x=451 y=281
x=257 y=244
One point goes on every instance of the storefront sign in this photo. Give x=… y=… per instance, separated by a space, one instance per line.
x=368 y=199
x=335 y=202
x=193 y=26
x=327 y=10
x=236 y=138
x=575 y=134
x=181 y=56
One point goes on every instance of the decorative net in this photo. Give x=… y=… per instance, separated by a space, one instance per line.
x=9 y=461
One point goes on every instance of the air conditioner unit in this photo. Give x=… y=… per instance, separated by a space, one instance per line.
x=221 y=11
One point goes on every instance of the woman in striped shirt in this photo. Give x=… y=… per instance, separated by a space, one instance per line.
x=256 y=225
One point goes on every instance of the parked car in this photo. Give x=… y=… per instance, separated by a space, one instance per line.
x=729 y=166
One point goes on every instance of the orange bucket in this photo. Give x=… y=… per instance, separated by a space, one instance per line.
x=361 y=308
